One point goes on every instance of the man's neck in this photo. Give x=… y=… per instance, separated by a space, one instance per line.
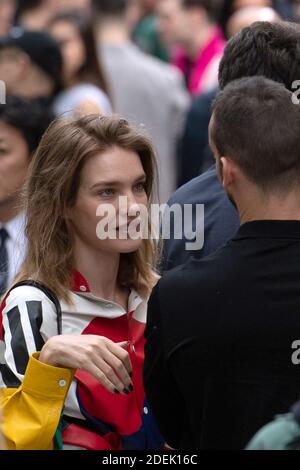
x=112 y=33
x=270 y=208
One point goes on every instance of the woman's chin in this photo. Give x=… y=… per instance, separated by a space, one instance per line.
x=127 y=246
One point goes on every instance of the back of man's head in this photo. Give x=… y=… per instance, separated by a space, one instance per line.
x=271 y=50
x=109 y=8
x=256 y=124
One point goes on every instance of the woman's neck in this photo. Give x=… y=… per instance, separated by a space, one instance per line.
x=100 y=269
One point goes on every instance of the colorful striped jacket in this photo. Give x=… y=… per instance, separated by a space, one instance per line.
x=34 y=393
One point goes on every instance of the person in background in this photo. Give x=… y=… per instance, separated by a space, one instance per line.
x=34 y=15
x=30 y=64
x=229 y=7
x=67 y=5
x=85 y=89
x=246 y=16
x=220 y=330
x=7 y=13
x=195 y=156
x=296 y=8
x=190 y=27
x=144 y=28
x=267 y=49
x=144 y=89
x=22 y=124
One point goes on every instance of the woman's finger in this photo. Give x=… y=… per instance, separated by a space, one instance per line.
x=119 y=368
x=101 y=377
x=123 y=344
x=121 y=354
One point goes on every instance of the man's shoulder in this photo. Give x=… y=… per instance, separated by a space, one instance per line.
x=199 y=189
x=202 y=273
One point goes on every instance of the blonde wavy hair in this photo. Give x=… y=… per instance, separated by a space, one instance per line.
x=51 y=187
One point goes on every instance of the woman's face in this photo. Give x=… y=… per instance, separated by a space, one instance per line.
x=72 y=48
x=110 y=196
x=14 y=161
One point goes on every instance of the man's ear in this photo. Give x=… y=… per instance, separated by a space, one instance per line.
x=228 y=172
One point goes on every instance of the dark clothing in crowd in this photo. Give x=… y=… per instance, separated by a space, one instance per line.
x=195 y=155
x=219 y=339
x=284 y=8
x=220 y=219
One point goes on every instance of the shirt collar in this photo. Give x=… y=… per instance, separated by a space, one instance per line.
x=79 y=283
x=288 y=229
x=80 y=286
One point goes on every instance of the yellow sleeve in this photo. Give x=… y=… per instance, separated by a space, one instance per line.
x=31 y=412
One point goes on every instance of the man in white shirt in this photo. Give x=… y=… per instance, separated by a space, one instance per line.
x=22 y=124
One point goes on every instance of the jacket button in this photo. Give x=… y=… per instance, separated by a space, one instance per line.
x=62 y=383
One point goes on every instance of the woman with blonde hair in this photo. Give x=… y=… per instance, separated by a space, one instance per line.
x=82 y=298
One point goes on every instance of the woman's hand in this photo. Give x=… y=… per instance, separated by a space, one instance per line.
x=107 y=361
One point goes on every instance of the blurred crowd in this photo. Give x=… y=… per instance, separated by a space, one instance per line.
x=154 y=62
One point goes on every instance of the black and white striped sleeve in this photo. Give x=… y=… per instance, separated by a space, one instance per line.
x=28 y=321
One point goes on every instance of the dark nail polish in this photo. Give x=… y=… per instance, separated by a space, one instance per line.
x=130 y=387
x=130 y=375
x=126 y=391
x=116 y=391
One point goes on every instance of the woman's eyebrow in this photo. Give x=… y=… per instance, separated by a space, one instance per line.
x=105 y=183
x=116 y=183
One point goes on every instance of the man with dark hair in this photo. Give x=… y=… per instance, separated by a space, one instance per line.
x=268 y=49
x=276 y=45
x=215 y=378
x=190 y=26
x=22 y=124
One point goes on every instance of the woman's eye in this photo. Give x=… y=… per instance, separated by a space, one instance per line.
x=140 y=187
x=106 y=193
